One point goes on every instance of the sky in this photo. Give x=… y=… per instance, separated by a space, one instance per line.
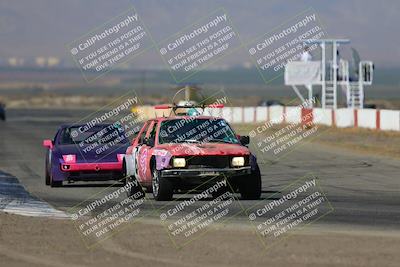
x=31 y=28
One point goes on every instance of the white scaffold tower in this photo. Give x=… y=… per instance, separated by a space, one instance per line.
x=329 y=74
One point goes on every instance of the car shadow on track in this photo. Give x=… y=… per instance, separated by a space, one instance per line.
x=93 y=185
x=265 y=195
x=272 y=195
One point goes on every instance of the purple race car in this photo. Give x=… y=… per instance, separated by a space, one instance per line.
x=85 y=153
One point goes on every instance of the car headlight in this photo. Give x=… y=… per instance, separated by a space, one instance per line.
x=179 y=162
x=237 y=162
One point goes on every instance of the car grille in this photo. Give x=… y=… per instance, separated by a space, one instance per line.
x=208 y=162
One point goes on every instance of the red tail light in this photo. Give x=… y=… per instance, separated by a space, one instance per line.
x=216 y=106
x=162 y=107
x=70 y=158
x=120 y=157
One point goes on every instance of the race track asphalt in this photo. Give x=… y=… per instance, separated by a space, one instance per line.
x=363 y=190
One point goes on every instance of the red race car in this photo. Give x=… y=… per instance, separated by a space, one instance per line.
x=178 y=153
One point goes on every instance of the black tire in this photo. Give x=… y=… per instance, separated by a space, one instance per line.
x=250 y=186
x=149 y=189
x=124 y=179
x=163 y=189
x=135 y=191
x=55 y=183
x=130 y=192
x=47 y=177
x=46 y=166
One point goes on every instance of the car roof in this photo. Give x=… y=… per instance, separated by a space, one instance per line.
x=185 y=117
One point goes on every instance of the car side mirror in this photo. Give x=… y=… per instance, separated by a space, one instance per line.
x=48 y=143
x=148 y=142
x=244 y=140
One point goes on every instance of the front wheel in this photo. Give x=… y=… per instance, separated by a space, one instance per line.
x=250 y=186
x=162 y=188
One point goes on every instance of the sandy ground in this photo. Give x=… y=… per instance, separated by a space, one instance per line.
x=26 y=241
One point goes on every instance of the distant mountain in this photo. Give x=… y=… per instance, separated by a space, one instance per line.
x=44 y=27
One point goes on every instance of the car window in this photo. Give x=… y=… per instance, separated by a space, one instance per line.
x=100 y=134
x=56 y=136
x=152 y=134
x=196 y=130
x=143 y=133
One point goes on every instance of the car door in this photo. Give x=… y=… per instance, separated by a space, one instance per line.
x=131 y=157
x=144 y=155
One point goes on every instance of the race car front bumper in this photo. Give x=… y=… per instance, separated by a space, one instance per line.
x=97 y=166
x=206 y=172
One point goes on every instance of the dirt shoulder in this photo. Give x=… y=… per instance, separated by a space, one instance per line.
x=45 y=242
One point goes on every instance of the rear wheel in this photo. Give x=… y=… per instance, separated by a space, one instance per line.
x=162 y=188
x=125 y=178
x=250 y=186
x=55 y=183
x=47 y=168
x=47 y=175
x=136 y=190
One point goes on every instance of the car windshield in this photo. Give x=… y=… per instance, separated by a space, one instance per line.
x=96 y=134
x=196 y=130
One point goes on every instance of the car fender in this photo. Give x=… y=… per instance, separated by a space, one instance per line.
x=162 y=158
x=131 y=161
x=253 y=162
x=54 y=168
x=130 y=165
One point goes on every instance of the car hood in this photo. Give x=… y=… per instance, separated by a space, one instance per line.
x=185 y=149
